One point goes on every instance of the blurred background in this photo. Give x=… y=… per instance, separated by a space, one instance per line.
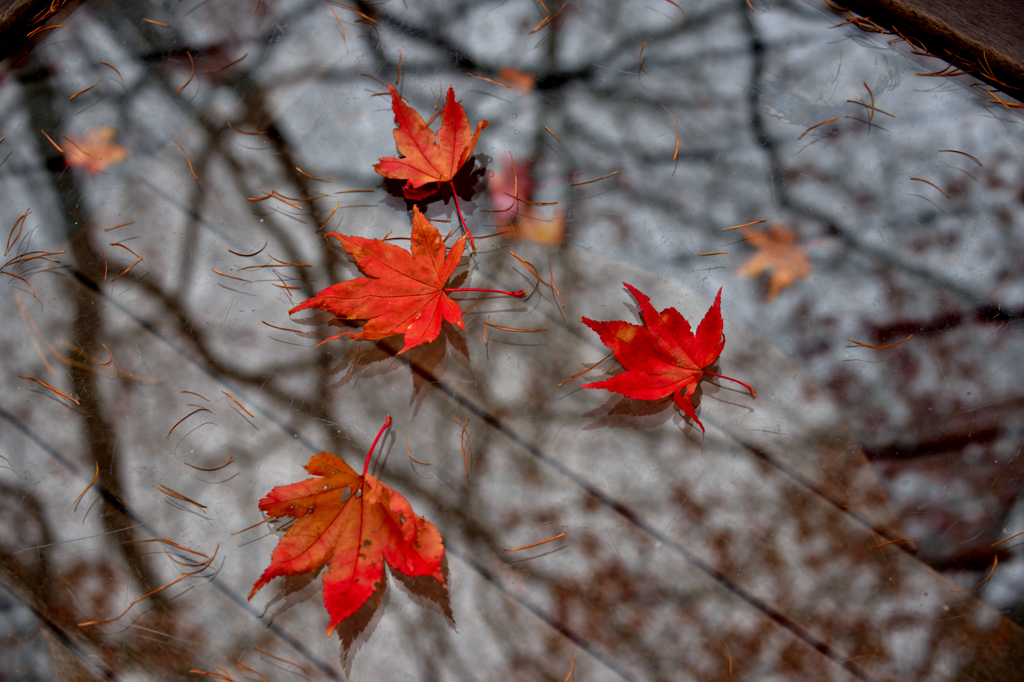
x=150 y=147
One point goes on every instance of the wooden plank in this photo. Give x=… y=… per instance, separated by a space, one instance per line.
x=985 y=36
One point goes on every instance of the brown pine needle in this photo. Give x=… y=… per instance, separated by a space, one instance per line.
x=528 y=265
x=353 y=9
x=44 y=28
x=995 y=563
x=673 y=2
x=187 y=159
x=546 y=21
x=239 y=404
x=284 y=329
x=115 y=71
x=675 y=154
x=409 y=452
x=867 y=345
x=108 y=229
x=170 y=492
x=587 y=182
x=246 y=132
x=56 y=146
x=932 y=184
x=246 y=668
x=202 y=568
x=969 y=156
x=712 y=253
x=572 y=656
x=283 y=660
x=736 y=227
x=329 y=217
x=722 y=640
x=75 y=144
x=46 y=385
x=12 y=239
x=551 y=278
x=574 y=376
x=126 y=271
x=817 y=125
x=196 y=394
x=156 y=23
x=250 y=255
x=201 y=409
x=285 y=196
x=531 y=203
x=433 y=117
x=74 y=507
x=84 y=90
x=125 y=248
x=641 y=58
x=536 y=544
x=513 y=329
x=230 y=460
x=239 y=532
x=1015 y=535
x=951 y=74
x=224 y=274
x=840 y=67
x=489 y=80
x=313 y=177
x=552 y=134
x=463 y=442
x=893 y=542
x=190 y=75
x=27 y=283
x=229 y=64
x=168 y=542
x=340 y=25
x=872 y=107
x=218 y=676
x=136 y=601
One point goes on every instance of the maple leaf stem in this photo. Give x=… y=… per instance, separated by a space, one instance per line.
x=462 y=220
x=366 y=465
x=521 y=292
x=753 y=393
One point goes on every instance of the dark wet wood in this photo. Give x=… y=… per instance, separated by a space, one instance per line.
x=18 y=18
x=986 y=35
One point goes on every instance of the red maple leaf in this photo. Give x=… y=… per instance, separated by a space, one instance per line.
x=663 y=357
x=95 y=150
x=353 y=524
x=427 y=158
x=406 y=291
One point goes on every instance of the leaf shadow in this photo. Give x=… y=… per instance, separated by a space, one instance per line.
x=427 y=363
x=429 y=593
x=468 y=183
x=425 y=591
x=620 y=412
x=291 y=590
x=356 y=630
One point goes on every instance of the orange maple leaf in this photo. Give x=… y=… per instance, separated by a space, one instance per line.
x=426 y=157
x=523 y=81
x=533 y=226
x=406 y=291
x=777 y=253
x=352 y=524
x=94 y=151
